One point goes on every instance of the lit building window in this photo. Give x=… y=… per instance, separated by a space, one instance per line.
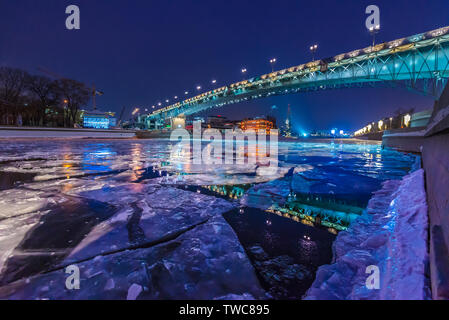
x=407 y=119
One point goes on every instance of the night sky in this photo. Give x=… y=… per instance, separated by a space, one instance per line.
x=142 y=52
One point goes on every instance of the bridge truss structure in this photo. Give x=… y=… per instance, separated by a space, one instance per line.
x=419 y=63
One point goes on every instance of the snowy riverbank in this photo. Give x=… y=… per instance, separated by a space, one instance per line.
x=392 y=235
x=66 y=133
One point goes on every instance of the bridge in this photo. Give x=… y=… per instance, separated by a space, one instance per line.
x=309 y=209
x=419 y=63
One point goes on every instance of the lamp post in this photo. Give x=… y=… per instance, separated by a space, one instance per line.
x=373 y=31
x=244 y=71
x=313 y=49
x=272 y=62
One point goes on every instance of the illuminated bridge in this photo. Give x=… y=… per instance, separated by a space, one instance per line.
x=419 y=63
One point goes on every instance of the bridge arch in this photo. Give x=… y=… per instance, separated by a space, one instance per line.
x=419 y=63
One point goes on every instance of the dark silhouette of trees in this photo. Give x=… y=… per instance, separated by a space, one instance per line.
x=34 y=100
x=43 y=93
x=12 y=89
x=75 y=94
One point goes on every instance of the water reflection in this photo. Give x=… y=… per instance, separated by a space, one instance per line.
x=285 y=254
x=329 y=186
x=97 y=158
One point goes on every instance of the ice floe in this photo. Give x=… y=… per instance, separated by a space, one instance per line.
x=392 y=236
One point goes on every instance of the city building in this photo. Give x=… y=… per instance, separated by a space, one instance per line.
x=178 y=122
x=98 y=120
x=219 y=122
x=401 y=121
x=420 y=119
x=287 y=129
x=259 y=125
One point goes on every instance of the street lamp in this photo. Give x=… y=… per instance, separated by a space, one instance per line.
x=407 y=119
x=244 y=71
x=313 y=49
x=214 y=81
x=272 y=62
x=381 y=125
x=187 y=92
x=373 y=31
x=198 y=88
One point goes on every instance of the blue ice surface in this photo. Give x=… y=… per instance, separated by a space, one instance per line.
x=346 y=170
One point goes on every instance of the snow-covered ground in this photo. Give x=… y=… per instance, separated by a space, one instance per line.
x=39 y=132
x=392 y=236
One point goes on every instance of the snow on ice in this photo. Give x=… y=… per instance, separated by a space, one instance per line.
x=392 y=235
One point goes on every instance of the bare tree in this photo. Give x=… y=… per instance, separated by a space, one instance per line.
x=76 y=94
x=12 y=88
x=12 y=84
x=45 y=91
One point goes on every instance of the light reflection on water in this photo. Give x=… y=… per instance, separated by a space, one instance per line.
x=343 y=171
x=354 y=167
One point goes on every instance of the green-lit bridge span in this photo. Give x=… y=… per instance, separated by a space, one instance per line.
x=419 y=63
x=313 y=210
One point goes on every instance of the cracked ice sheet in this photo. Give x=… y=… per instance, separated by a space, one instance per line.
x=92 y=188
x=21 y=210
x=16 y=202
x=393 y=236
x=124 y=161
x=207 y=262
x=161 y=213
x=35 y=242
x=12 y=232
x=231 y=175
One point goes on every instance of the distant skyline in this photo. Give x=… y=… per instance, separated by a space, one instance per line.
x=140 y=53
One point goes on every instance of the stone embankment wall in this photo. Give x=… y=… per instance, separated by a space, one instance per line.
x=433 y=144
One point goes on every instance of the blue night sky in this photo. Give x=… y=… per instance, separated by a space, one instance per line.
x=141 y=52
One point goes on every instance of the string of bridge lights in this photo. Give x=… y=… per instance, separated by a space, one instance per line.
x=313 y=49
x=244 y=71
x=198 y=88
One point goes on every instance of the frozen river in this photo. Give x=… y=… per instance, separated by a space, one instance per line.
x=92 y=202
